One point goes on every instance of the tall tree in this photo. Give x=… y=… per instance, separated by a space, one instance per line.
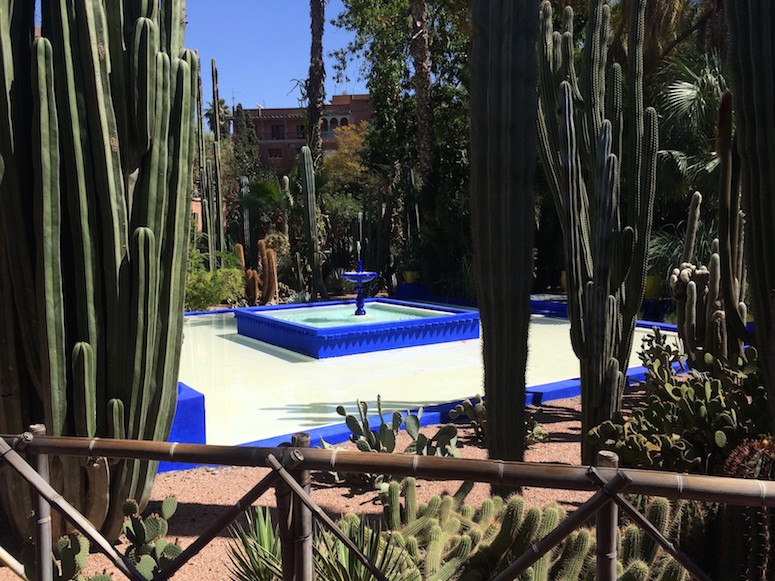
x=421 y=80
x=245 y=146
x=316 y=90
x=391 y=146
x=224 y=116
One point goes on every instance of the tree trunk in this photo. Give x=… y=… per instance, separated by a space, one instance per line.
x=422 y=89
x=316 y=82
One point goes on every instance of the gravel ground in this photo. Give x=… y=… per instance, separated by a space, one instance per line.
x=204 y=494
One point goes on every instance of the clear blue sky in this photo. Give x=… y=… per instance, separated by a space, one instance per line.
x=262 y=48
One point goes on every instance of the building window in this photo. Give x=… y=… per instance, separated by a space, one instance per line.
x=278 y=131
x=334 y=123
x=275 y=153
x=344 y=122
x=300 y=133
x=324 y=125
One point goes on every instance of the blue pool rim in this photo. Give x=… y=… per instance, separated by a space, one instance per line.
x=451 y=324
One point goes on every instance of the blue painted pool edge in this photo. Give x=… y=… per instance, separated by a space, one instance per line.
x=188 y=425
x=451 y=324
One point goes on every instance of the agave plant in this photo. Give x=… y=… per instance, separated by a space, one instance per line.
x=255 y=553
x=335 y=562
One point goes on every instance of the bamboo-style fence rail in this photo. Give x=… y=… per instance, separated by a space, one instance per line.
x=290 y=466
x=668 y=484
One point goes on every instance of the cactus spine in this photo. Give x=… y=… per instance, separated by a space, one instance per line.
x=503 y=115
x=606 y=231
x=97 y=92
x=750 y=51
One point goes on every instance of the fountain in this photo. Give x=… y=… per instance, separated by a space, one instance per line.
x=330 y=329
x=359 y=277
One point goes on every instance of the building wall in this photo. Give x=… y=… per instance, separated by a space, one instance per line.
x=281 y=131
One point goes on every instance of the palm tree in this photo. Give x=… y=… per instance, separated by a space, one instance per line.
x=316 y=82
x=669 y=23
x=688 y=93
x=225 y=116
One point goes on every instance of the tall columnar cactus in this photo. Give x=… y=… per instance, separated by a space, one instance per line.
x=93 y=235
x=504 y=75
x=605 y=228
x=307 y=175
x=711 y=314
x=216 y=183
x=204 y=181
x=751 y=64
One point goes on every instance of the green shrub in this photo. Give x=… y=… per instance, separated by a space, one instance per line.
x=206 y=289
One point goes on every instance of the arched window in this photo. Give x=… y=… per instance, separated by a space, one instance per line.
x=334 y=123
x=344 y=122
x=324 y=125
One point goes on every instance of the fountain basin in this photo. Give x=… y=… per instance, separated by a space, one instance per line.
x=359 y=276
x=330 y=329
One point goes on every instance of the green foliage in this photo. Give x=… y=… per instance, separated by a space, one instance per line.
x=247 y=161
x=689 y=424
x=687 y=91
x=382 y=35
x=224 y=116
x=207 y=289
x=334 y=561
x=369 y=438
x=254 y=554
x=667 y=243
x=149 y=550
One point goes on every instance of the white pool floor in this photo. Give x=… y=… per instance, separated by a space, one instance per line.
x=254 y=390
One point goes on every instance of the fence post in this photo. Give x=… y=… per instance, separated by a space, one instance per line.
x=606 y=523
x=285 y=503
x=42 y=512
x=302 y=518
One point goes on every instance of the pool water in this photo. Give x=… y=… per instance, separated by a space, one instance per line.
x=343 y=315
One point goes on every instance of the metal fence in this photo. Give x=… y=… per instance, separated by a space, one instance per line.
x=290 y=477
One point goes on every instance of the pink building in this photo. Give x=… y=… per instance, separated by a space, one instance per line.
x=281 y=132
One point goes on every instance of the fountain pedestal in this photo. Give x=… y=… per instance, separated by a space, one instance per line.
x=359 y=277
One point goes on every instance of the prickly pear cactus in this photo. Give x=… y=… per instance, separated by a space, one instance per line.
x=97 y=139
x=149 y=550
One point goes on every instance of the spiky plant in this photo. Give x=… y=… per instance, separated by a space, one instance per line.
x=96 y=132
